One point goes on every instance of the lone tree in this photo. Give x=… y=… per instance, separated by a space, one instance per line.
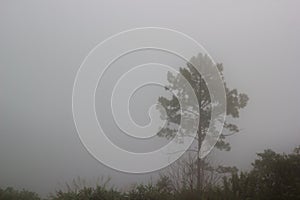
x=171 y=111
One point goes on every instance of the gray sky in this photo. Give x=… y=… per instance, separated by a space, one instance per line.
x=42 y=44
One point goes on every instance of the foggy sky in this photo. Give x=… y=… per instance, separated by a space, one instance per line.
x=43 y=43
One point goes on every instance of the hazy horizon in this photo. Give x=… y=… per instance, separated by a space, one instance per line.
x=44 y=43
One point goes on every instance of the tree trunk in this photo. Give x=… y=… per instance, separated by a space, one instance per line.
x=199 y=185
x=199 y=131
x=198 y=174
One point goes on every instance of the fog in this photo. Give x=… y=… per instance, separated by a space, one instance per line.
x=43 y=43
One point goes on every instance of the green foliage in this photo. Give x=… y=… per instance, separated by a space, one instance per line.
x=147 y=192
x=274 y=176
x=88 y=193
x=12 y=194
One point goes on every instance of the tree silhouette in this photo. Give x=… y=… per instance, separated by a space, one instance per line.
x=171 y=109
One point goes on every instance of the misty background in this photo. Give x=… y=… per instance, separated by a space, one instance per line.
x=43 y=43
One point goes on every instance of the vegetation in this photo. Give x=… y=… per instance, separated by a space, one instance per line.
x=12 y=194
x=273 y=176
x=172 y=112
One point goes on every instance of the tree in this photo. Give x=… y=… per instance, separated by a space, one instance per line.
x=172 y=113
x=274 y=176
